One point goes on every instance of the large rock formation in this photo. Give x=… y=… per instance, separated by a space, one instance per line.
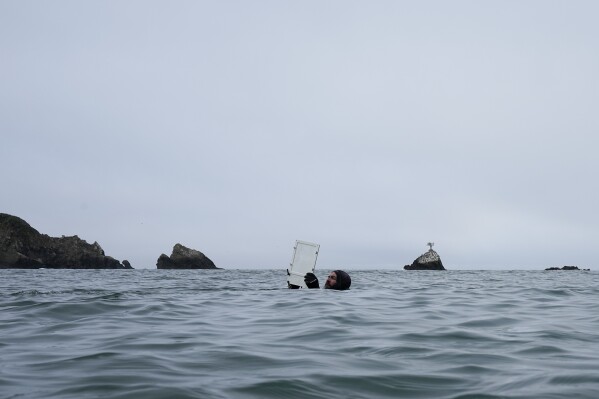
x=23 y=247
x=430 y=260
x=184 y=258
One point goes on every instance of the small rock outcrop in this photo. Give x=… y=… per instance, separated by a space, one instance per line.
x=184 y=258
x=429 y=260
x=566 y=268
x=23 y=247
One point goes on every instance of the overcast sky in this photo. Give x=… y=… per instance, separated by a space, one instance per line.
x=369 y=127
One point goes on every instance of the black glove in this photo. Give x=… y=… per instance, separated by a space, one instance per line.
x=311 y=280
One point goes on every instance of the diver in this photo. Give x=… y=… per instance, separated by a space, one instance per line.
x=337 y=280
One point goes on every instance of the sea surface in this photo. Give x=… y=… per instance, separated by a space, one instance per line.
x=242 y=334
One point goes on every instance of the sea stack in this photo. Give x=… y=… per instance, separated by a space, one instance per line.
x=184 y=258
x=430 y=260
x=23 y=247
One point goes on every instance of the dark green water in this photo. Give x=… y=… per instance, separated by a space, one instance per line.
x=241 y=334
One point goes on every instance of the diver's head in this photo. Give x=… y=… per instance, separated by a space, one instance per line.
x=338 y=280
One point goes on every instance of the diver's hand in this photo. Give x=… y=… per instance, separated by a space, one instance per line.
x=311 y=280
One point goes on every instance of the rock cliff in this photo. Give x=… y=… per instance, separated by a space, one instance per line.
x=430 y=260
x=23 y=247
x=184 y=258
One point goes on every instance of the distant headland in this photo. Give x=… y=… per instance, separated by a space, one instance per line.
x=23 y=247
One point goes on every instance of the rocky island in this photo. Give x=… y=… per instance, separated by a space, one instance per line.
x=566 y=268
x=23 y=247
x=184 y=258
x=430 y=260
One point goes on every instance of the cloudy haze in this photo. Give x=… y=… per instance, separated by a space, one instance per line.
x=369 y=127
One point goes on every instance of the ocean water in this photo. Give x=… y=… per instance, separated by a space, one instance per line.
x=242 y=334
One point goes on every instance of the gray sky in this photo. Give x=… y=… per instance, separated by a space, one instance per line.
x=369 y=127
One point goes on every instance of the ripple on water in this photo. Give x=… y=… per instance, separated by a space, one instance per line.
x=239 y=334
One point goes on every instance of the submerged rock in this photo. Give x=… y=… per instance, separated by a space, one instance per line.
x=430 y=260
x=23 y=247
x=184 y=258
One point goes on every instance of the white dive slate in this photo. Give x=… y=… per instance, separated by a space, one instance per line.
x=303 y=261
